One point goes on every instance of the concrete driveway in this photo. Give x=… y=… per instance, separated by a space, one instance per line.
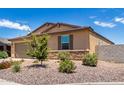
x=4 y=82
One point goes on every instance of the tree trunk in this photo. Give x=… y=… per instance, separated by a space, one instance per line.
x=41 y=62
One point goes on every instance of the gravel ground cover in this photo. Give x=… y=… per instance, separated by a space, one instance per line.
x=35 y=75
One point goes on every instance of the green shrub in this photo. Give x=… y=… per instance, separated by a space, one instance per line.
x=90 y=59
x=16 y=67
x=64 y=56
x=66 y=66
x=5 y=65
x=15 y=62
x=3 y=54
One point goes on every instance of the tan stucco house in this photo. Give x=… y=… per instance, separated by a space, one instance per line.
x=63 y=37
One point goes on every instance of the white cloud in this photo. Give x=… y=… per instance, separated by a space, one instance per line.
x=14 y=25
x=104 y=24
x=92 y=17
x=119 y=19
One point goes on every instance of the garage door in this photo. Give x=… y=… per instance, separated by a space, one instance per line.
x=20 y=50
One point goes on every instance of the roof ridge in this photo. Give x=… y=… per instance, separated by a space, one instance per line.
x=49 y=28
x=40 y=27
x=75 y=27
x=69 y=24
x=71 y=29
x=54 y=24
x=49 y=23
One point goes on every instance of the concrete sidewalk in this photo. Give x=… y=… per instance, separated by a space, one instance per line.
x=99 y=83
x=5 y=82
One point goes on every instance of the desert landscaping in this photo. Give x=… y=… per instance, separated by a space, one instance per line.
x=32 y=74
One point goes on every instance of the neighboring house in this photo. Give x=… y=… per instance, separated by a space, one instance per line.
x=5 y=45
x=63 y=37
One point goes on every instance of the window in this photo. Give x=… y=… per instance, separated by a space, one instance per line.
x=65 y=42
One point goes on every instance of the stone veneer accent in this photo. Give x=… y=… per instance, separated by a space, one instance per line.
x=74 y=54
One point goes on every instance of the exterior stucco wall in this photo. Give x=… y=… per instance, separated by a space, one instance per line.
x=80 y=40
x=94 y=41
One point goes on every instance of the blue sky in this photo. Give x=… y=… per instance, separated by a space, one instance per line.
x=107 y=22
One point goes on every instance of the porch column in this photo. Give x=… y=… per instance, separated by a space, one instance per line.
x=4 y=48
x=13 y=50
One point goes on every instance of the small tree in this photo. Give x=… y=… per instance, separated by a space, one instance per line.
x=38 y=47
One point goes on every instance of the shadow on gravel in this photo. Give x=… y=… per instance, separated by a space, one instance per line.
x=38 y=66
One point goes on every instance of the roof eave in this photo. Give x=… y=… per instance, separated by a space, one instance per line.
x=101 y=35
